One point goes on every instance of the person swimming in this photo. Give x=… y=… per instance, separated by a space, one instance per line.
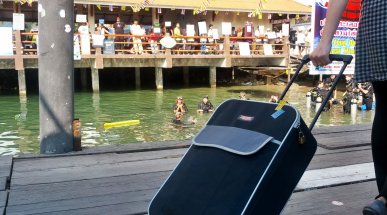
x=179 y=106
x=178 y=120
x=242 y=95
x=273 y=99
x=205 y=106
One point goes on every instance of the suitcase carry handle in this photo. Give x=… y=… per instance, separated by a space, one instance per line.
x=333 y=57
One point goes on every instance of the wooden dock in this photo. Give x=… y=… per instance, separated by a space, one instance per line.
x=123 y=179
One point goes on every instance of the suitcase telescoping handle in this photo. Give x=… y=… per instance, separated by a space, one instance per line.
x=333 y=57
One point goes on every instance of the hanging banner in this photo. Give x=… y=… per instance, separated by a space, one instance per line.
x=6 y=41
x=344 y=40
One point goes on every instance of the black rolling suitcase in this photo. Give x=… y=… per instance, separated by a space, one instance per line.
x=247 y=159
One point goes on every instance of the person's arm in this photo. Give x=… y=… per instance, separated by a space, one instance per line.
x=362 y=90
x=320 y=56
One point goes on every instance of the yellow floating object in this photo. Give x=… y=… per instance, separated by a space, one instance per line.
x=121 y=123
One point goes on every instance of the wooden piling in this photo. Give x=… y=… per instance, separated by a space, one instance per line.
x=56 y=75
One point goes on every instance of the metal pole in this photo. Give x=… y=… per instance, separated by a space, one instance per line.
x=56 y=75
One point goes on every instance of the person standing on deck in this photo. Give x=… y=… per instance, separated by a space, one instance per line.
x=119 y=29
x=177 y=34
x=370 y=65
x=137 y=33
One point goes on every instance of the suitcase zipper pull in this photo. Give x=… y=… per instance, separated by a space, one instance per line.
x=301 y=137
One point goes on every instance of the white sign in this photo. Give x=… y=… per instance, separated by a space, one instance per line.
x=244 y=48
x=248 y=28
x=97 y=40
x=267 y=49
x=81 y=18
x=215 y=34
x=271 y=35
x=168 y=24
x=6 y=41
x=190 y=30
x=285 y=30
x=262 y=29
x=18 y=21
x=226 y=28
x=168 y=42
x=202 y=28
x=157 y=30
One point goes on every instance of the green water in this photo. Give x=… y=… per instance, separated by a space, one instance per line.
x=19 y=119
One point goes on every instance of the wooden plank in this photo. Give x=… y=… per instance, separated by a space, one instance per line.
x=344 y=140
x=336 y=176
x=342 y=128
x=321 y=150
x=124 y=148
x=139 y=207
x=95 y=171
x=3 y=198
x=5 y=171
x=341 y=158
x=5 y=165
x=3 y=183
x=37 y=164
x=321 y=201
x=82 y=203
x=79 y=189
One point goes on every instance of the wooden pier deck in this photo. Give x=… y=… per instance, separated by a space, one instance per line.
x=123 y=179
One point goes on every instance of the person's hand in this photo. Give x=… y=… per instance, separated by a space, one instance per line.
x=320 y=56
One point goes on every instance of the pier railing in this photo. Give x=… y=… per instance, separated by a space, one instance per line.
x=195 y=47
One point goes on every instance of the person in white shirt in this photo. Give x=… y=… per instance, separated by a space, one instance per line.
x=84 y=35
x=309 y=40
x=211 y=40
x=137 y=32
x=300 y=41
